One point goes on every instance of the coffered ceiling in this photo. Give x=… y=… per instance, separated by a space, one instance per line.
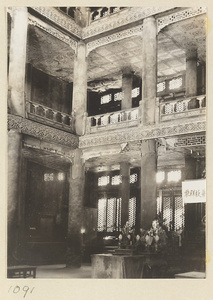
x=105 y=63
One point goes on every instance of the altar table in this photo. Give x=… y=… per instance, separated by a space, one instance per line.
x=21 y=271
x=193 y=274
x=123 y=266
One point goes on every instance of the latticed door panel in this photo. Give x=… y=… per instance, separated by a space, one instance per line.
x=172 y=209
x=167 y=211
x=109 y=214
x=102 y=214
x=132 y=211
x=179 y=213
x=111 y=210
x=118 y=214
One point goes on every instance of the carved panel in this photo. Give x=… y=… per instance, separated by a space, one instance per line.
x=41 y=131
x=54 y=32
x=114 y=37
x=60 y=19
x=179 y=16
x=192 y=140
x=124 y=17
x=142 y=133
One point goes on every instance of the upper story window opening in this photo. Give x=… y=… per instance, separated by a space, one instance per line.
x=161 y=86
x=174 y=176
x=175 y=83
x=160 y=176
x=103 y=180
x=118 y=96
x=106 y=99
x=116 y=180
x=48 y=177
x=135 y=92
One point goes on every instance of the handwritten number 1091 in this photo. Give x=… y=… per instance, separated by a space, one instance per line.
x=17 y=289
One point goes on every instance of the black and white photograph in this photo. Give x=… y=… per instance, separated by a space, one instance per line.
x=106 y=144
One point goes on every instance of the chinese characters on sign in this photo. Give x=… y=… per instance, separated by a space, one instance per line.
x=194 y=191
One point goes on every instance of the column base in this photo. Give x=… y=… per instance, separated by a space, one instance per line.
x=74 y=252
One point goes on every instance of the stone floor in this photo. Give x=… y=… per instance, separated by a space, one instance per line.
x=60 y=271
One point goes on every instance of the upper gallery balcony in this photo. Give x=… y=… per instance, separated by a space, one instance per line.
x=49 y=116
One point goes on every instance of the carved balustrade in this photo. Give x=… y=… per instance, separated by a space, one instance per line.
x=186 y=107
x=103 y=12
x=49 y=116
x=122 y=118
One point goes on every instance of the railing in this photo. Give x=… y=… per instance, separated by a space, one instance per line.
x=103 y=12
x=70 y=11
x=48 y=115
x=111 y=120
x=192 y=106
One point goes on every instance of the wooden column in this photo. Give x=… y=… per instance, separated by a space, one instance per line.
x=82 y=16
x=191 y=73
x=149 y=70
x=16 y=80
x=79 y=105
x=148 y=148
x=76 y=200
x=148 y=183
x=124 y=192
x=14 y=163
x=127 y=78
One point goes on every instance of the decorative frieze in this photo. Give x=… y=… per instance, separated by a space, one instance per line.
x=60 y=19
x=142 y=133
x=42 y=132
x=191 y=140
x=124 y=17
x=137 y=30
x=54 y=32
x=179 y=16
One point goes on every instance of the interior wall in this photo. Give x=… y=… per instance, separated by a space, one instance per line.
x=46 y=215
x=50 y=91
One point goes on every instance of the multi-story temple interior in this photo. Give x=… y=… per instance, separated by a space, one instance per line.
x=106 y=125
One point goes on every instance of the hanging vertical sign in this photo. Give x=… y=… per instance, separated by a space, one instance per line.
x=194 y=191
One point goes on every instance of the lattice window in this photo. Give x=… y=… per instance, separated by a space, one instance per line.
x=118 y=214
x=174 y=176
x=159 y=205
x=103 y=180
x=180 y=106
x=179 y=213
x=191 y=141
x=161 y=86
x=48 y=177
x=160 y=176
x=133 y=178
x=175 y=83
x=135 y=92
x=109 y=214
x=106 y=99
x=116 y=180
x=61 y=176
x=111 y=210
x=169 y=108
x=132 y=211
x=102 y=214
x=167 y=211
x=118 y=96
